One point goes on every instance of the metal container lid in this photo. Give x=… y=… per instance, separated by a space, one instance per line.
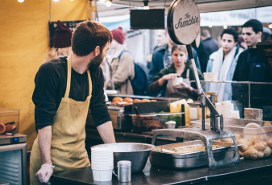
x=124 y=164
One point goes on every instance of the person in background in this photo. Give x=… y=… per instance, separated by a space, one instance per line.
x=223 y=63
x=161 y=42
x=65 y=89
x=161 y=59
x=161 y=38
x=203 y=56
x=106 y=72
x=61 y=42
x=252 y=66
x=121 y=64
x=162 y=83
x=210 y=44
x=266 y=34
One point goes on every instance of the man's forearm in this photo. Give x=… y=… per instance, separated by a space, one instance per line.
x=45 y=136
x=106 y=132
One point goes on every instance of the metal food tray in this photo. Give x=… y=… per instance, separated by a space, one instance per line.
x=191 y=160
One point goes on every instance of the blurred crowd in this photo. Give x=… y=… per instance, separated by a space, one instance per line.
x=234 y=57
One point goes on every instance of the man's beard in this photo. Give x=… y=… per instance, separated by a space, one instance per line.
x=95 y=63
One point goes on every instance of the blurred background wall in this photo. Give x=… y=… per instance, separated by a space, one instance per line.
x=24 y=43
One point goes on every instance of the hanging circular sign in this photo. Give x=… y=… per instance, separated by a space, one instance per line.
x=183 y=21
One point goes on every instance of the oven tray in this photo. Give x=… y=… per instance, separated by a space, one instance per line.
x=190 y=160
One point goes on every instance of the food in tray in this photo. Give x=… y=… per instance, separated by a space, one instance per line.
x=254 y=141
x=164 y=156
x=121 y=102
x=2 y=128
x=187 y=149
x=136 y=101
x=143 y=123
x=254 y=147
x=8 y=127
x=117 y=99
x=128 y=100
x=145 y=100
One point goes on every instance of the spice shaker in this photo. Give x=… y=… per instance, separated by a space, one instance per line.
x=124 y=171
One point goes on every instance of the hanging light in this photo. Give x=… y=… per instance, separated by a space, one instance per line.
x=108 y=3
x=20 y=1
x=146 y=7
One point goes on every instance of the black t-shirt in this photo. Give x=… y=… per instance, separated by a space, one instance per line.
x=252 y=66
x=50 y=86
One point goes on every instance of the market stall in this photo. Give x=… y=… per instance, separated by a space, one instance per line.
x=220 y=161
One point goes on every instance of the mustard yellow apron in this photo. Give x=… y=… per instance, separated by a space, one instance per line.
x=68 y=134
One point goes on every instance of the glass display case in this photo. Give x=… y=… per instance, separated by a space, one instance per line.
x=242 y=95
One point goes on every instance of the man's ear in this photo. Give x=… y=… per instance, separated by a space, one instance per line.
x=259 y=34
x=97 y=51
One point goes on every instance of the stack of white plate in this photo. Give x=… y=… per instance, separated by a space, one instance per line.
x=102 y=163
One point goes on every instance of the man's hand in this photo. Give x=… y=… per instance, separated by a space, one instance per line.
x=44 y=174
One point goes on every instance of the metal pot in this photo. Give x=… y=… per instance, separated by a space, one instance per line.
x=137 y=153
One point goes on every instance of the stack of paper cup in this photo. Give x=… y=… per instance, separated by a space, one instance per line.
x=228 y=109
x=236 y=114
x=102 y=163
x=219 y=107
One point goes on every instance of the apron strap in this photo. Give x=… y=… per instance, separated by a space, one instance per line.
x=90 y=83
x=69 y=68
x=68 y=85
x=187 y=74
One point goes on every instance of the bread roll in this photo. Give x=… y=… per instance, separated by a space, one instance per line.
x=2 y=128
x=267 y=151
x=145 y=100
x=251 y=153
x=136 y=101
x=128 y=100
x=260 y=146
x=117 y=99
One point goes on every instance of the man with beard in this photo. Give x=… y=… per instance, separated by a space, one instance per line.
x=65 y=89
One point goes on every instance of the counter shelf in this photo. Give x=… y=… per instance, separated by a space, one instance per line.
x=247 y=172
